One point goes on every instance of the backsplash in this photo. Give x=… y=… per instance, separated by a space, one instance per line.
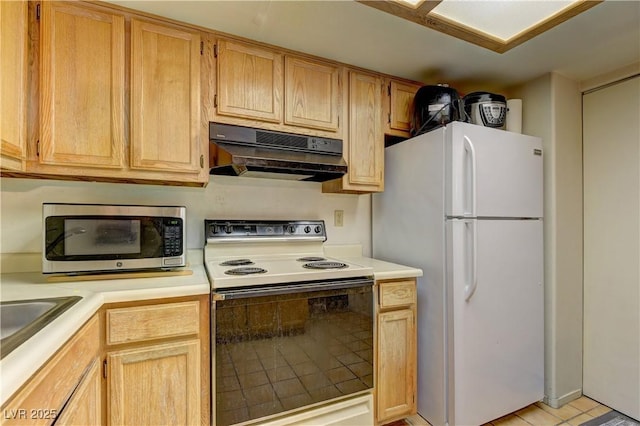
x=224 y=198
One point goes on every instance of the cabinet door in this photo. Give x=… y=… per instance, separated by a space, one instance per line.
x=165 y=98
x=611 y=147
x=82 y=86
x=13 y=83
x=400 y=107
x=85 y=405
x=396 y=364
x=46 y=393
x=249 y=82
x=365 y=152
x=163 y=379
x=311 y=94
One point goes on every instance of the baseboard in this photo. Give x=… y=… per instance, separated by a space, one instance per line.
x=559 y=402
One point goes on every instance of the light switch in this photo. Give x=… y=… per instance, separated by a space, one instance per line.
x=338 y=217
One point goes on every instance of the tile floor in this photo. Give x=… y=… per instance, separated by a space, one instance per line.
x=574 y=413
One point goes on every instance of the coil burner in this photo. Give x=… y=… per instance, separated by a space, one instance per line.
x=245 y=271
x=237 y=262
x=325 y=265
x=311 y=259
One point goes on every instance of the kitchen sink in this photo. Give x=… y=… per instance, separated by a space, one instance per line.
x=21 y=319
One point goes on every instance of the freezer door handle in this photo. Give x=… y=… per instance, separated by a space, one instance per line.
x=471 y=229
x=470 y=182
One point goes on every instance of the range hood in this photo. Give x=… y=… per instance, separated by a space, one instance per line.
x=245 y=151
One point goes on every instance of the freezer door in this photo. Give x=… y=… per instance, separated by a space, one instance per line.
x=495 y=322
x=492 y=173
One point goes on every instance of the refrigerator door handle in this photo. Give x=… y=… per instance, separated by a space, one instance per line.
x=472 y=259
x=470 y=195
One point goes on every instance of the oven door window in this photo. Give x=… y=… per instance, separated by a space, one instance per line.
x=281 y=352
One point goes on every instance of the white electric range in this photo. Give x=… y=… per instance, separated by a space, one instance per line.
x=292 y=329
x=256 y=253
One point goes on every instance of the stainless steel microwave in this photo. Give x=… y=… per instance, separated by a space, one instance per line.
x=84 y=238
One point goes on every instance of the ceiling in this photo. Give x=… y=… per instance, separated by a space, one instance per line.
x=599 y=40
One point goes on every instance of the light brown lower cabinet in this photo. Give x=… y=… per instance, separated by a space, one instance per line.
x=396 y=350
x=155 y=385
x=85 y=405
x=133 y=363
x=49 y=394
x=157 y=362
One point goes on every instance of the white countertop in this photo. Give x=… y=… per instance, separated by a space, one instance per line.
x=18 y=366
x=382 y=270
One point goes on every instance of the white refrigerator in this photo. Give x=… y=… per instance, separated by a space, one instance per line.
x=464 y=204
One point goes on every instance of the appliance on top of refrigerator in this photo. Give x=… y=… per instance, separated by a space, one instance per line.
x=464 y=203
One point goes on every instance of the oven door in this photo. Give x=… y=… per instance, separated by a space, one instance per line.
x=283 y=347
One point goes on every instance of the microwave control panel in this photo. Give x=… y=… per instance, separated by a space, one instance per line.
x=173 y=237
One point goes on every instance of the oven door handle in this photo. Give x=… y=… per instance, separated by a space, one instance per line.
x=243 y=293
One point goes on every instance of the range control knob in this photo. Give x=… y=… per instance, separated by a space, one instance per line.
x=292 y=229
x=307 y=229
x=318 y=229
x=228 y=228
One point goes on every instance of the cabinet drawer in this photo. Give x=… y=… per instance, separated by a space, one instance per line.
x=397 y=293
x=135 y=324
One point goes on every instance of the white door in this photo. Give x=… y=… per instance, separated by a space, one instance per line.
x=495 y=322
x=492 y=173
x=611 y=158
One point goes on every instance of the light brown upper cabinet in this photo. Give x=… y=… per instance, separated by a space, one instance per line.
x=13 y=84
x=118 y=98
x=165 y=98
x=260 y=86
x=82 y=86
x=399 y=107
x=95 y=91
x=311 y=94
x=249 y=82
x=366 y=147
x=363 y=149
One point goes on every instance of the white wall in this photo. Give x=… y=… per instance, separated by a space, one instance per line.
x=567 y=124
x=224 y=198
x=552 y=110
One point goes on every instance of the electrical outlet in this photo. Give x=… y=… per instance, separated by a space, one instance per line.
x=338 y=217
